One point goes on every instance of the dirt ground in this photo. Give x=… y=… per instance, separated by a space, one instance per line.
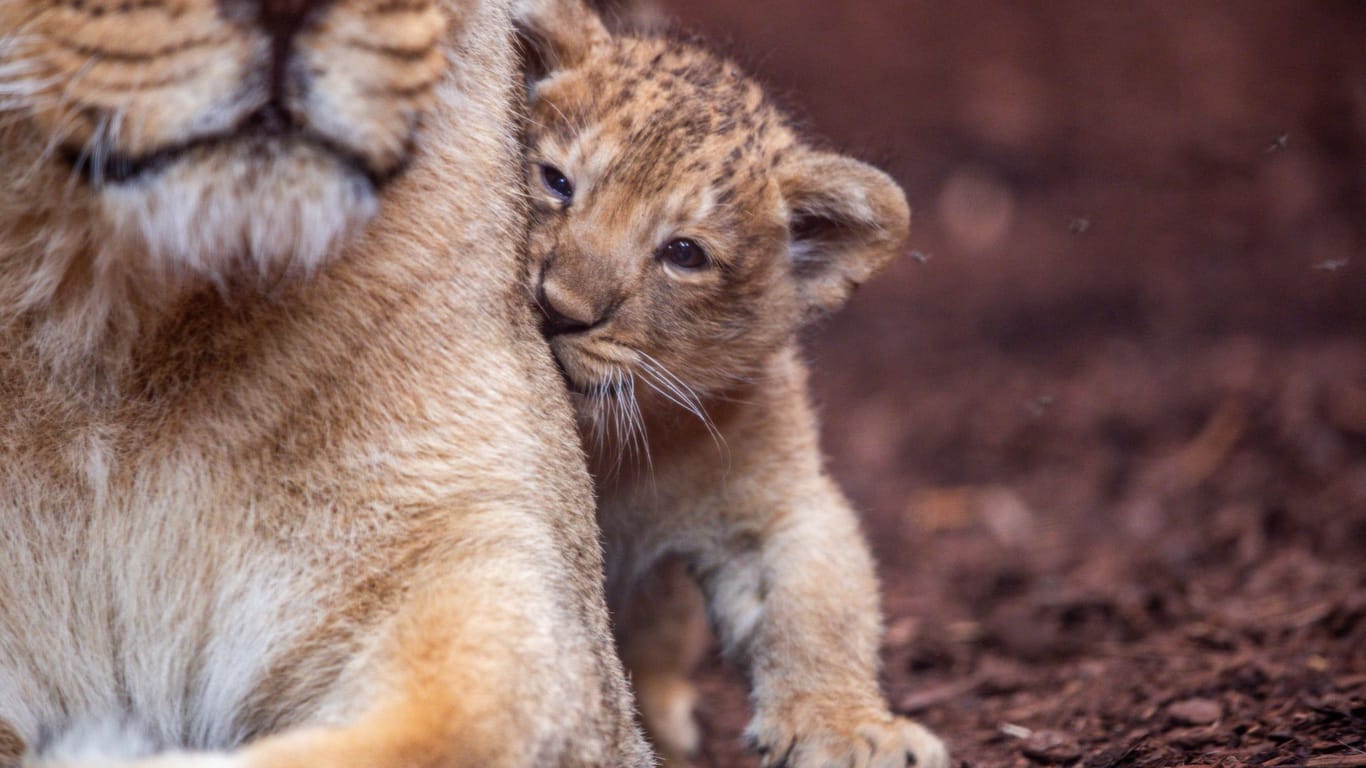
x=1107 y=419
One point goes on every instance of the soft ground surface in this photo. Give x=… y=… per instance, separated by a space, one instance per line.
x=1107 y=423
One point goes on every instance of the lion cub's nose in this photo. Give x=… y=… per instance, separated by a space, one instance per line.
x=563 y=311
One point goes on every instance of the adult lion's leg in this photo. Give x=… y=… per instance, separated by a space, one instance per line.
x=484 y=664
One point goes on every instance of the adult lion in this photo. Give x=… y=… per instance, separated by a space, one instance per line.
x=286 y=475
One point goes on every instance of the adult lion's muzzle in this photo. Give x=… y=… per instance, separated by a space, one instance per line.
x=249 y=128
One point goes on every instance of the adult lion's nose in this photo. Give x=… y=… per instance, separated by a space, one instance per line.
x=281 y=19
x=287 y=8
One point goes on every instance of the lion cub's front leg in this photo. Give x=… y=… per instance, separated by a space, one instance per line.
x=789 y=585
x=795 y=600
x=797 y=606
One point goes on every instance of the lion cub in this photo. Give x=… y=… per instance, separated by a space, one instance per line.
x=682 y=234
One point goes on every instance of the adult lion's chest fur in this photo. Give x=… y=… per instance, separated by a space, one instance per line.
x=193 y=548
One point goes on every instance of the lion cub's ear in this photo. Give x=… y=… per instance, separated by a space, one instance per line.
x=846 y=219
x=556 y=34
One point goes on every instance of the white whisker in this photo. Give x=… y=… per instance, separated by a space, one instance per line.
x=673 y=389
x=615 y=424
x=87 y=156
x=618 y=417
x=637 y=419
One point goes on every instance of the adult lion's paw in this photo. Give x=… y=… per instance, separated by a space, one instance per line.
x=869 y=740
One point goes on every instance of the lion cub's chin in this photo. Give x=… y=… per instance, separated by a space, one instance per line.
x=284 y=207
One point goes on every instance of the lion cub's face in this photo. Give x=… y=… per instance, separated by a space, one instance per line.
x=206 y=129
x=681 y=232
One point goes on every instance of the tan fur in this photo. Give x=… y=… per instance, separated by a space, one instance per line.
x=279 y=486
x=691 y=393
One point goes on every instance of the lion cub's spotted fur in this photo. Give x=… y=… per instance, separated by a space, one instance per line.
x=282 y=483
x=682 y=234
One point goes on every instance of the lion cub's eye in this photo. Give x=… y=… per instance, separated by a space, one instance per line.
x=559 y=185
x=684 y=254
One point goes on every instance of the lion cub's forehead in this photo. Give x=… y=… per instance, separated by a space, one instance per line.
x=661 y=117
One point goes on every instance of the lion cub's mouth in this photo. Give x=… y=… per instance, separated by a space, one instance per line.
x=577 y=369
x=600 y=388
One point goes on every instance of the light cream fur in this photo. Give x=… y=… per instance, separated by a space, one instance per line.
x=691 y=391
x=286 y=476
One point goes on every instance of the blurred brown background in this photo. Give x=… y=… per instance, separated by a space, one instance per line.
x=1107 y=422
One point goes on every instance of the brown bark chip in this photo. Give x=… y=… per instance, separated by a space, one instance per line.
x=1050 y=747
x=1195 y=711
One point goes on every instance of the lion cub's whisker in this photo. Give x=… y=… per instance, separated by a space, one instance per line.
x=680 y=394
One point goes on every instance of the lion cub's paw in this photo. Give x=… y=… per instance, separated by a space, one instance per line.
x=873 y=740
x=666 y=706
